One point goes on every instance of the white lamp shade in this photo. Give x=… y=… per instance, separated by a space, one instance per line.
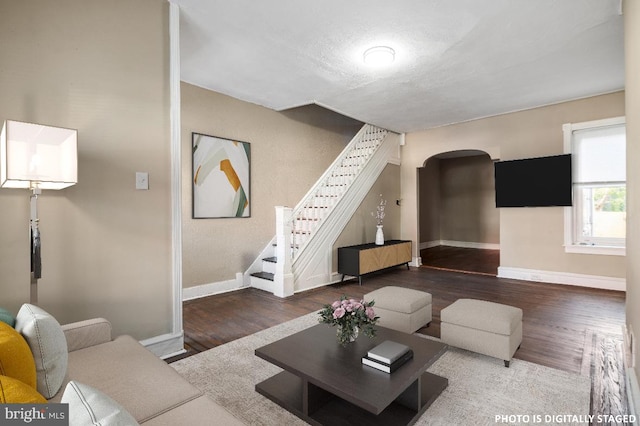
x=33 y=155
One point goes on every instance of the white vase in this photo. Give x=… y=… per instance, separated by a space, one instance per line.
x=379 y=236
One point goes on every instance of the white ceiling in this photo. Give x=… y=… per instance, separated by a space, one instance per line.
x=456 y=60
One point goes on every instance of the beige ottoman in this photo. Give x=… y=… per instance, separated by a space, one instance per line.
x=485 y=327
x=400 y=308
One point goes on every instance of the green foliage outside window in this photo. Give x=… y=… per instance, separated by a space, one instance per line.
x=610 y=199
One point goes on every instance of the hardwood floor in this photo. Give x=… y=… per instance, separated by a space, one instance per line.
x=461 y=259
x=558 y=320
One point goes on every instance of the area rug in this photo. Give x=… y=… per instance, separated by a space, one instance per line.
x=481 y=390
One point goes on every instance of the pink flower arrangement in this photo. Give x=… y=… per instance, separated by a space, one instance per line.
x=351 y=316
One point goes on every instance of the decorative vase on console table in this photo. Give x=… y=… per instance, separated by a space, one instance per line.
x=379 y=236
x=379 y=215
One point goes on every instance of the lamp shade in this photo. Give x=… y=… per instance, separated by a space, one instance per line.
x=34 y=155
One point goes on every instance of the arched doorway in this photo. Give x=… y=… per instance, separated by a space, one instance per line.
x=459 y=225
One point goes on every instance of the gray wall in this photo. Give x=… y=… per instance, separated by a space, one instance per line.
x=457 y=200
x=290 y=150
x=102 y=68
x=529 y=238
x=632 y=57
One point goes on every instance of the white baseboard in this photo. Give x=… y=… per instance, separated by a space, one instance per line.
x=567 y=278
x=210 y=289
x=633 y=395
x=165 y=345
x=462 y=244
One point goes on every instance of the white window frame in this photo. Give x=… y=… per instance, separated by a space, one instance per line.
x=569 y=219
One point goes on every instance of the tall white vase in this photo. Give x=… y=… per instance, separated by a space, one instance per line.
x=379 y=236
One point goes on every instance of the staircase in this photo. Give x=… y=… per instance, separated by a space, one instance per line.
x=299 y=256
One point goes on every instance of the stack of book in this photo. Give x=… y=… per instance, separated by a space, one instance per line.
x=388 y=356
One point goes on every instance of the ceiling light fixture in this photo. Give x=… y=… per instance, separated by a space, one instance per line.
x=379 y=55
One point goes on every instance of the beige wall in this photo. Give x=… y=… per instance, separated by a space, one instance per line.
x=429 y=201
x=362 y=226
x=465 y=199
x=289 y=151
x=530 y=238
x=102 y=68
x=632 y=58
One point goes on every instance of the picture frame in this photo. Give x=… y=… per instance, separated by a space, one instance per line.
x=221 y=177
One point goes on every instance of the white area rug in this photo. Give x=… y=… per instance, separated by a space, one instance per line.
x=480 y=388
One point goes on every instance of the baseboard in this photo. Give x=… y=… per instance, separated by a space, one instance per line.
x=165 y=345
x=566 y=278
x=462 y=244
x=210 y=289
x=633 y=395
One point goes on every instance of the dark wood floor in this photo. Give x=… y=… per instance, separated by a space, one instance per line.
x=557 y=319
x=462 y=259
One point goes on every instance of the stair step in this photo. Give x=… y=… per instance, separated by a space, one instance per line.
x=271 y=259
x=263 y=275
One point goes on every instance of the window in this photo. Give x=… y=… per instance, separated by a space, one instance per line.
x=596 y=223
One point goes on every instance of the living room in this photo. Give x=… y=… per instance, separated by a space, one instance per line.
x=111 y=251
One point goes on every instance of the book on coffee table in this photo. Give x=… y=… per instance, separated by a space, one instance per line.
x=388 y=368
x=388 y=352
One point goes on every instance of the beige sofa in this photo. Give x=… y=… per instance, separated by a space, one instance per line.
x=148 y=388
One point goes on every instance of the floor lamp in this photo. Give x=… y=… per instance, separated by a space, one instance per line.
x=37 y=157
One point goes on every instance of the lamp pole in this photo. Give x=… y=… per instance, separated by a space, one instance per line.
x=34 y=231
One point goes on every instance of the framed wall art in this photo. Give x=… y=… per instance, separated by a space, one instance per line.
x=221 y=177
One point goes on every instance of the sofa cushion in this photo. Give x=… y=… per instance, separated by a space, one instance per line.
x=127 y=372
x=195 y=412
x=48 y=346
x=16 y=359
x=7 y=317
x=13 y=391
x=89 y=406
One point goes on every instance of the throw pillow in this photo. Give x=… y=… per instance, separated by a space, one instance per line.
x=89 y=406
x=7 y=317
x=16 y=359
x=13 y=391
x=48 y=346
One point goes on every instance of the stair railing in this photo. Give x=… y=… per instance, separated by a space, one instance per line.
x=308 y=214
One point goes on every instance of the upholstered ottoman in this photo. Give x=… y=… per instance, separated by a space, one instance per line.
x=485 y=327
x=400 y=308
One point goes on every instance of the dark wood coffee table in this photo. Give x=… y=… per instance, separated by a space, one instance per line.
x=325 y=383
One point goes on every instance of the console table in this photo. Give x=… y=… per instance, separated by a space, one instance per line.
x=363 y=259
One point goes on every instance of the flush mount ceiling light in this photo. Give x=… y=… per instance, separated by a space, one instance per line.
x=379 y=55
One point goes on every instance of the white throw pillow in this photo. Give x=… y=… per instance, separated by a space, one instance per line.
x=48 y=346
x=89 y=406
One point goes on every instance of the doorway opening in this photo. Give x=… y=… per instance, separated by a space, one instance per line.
x=458 y=221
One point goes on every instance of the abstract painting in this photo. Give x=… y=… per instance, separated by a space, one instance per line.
x=221 y=177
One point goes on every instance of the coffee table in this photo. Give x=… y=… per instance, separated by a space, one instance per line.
x=326 y=383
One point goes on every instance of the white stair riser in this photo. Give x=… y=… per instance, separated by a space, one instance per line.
x=269 y=267
x=262 y=284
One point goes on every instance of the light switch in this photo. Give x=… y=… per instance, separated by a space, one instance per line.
x=142 y=180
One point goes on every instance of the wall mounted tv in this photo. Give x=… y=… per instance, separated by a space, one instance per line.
x=534 y=182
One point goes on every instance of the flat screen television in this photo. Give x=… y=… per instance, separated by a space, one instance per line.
x=534 y=182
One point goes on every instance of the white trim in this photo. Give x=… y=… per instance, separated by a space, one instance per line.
x=601 y=250
x=210 y=289
x=633 y=394
x=416 y=261
x=566 y=278
x=176 y=173
x=570 y=247
x=430 y=244
x=462 y=244
x=470 y=244
x=165 y=345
